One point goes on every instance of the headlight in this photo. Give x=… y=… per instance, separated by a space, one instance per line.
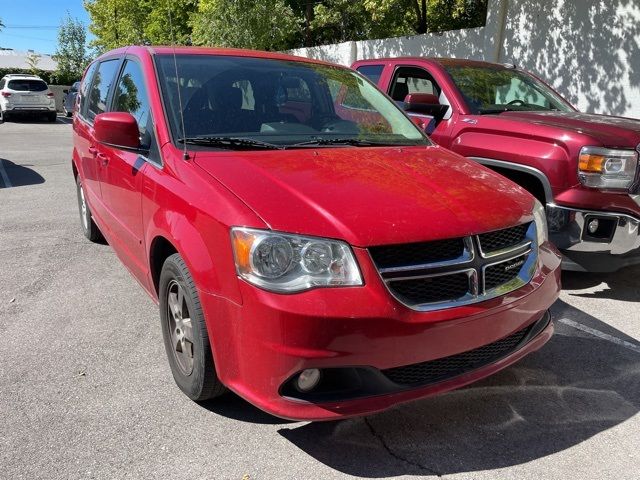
x=540 y=218
x=287 y=263
x=607 y=168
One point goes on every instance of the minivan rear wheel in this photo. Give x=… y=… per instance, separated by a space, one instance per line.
x=185 y=334
x=89 y=228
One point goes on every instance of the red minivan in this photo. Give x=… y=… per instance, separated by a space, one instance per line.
x=309 y=247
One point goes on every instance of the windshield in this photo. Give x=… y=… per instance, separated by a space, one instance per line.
x=499 y=89
x=278 y=103
x=27 y=85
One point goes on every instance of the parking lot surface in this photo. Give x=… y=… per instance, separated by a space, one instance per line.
x=86 y=391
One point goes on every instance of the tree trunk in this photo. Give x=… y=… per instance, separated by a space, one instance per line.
x=421 y=14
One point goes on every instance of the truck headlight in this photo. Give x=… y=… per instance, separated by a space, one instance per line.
x=540 y=219
x=607 y=168
x=286 y=263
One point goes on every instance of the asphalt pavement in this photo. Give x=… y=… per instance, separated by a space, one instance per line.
x=86 y=391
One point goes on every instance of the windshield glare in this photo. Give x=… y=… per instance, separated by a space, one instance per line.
x=280 y=102
x=496 y=89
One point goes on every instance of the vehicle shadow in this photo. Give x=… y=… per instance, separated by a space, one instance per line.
x=232 y=406
x=575 y=387
x=61 y=120
x=620 y=285
x=14 y=175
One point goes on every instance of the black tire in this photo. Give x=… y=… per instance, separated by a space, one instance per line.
x=199 y=382
x=52 y=117
x=4 y=116
x=89 y=228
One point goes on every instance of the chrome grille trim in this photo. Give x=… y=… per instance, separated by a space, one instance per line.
x=475 y=265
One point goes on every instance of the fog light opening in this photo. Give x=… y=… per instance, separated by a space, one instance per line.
x=308 y=379
x=593 y=226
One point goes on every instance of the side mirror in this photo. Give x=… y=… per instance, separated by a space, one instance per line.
x=118 y=129
x=66 y=90
x=425 y=103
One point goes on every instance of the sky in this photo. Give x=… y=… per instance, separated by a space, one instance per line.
x=33 y=24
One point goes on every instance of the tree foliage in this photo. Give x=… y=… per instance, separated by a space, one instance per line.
x=71 y=52
x=264 y=25
x=273 y=24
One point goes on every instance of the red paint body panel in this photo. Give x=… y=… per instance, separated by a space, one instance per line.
x=365 y=196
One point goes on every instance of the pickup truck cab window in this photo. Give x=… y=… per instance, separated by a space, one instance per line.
x=100 y=87
x=279 y=103
x=372 y=72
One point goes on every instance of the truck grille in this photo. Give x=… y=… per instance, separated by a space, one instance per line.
x=440 y=369
x=448 y=273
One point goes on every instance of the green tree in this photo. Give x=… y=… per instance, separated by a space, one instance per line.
x=71 y=52
x=116 y=23
x=264 y=25
x=32 y=60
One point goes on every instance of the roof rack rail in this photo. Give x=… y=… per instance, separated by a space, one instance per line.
x=27 y=75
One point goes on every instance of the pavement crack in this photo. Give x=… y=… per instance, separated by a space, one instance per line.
x=395 y=455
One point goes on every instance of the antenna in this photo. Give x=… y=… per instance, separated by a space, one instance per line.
x=185 y=154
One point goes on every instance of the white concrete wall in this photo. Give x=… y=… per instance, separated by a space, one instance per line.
x=589 y=50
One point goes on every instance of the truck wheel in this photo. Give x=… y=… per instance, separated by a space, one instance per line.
x=89 y=228
x=185 y=333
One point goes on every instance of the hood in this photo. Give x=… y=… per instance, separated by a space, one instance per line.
x=614 y=132
x=370 y=196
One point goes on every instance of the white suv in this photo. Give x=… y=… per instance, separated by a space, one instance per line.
x=25 y=94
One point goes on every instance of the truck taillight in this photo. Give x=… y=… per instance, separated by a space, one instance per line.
x=50 y=94
x=6 y=94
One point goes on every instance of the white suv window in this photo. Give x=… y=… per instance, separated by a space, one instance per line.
x=27 y=85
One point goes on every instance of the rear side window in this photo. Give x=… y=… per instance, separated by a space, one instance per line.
x=99 y=91
x=84 y=89
x=2 y=82
x=27 y=85
x=131 y=96
x=372 y=72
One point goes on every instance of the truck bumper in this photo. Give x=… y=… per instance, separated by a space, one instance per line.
x=594 y=241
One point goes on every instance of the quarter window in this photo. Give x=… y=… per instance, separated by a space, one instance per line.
x=99 y=91
x=131 y=96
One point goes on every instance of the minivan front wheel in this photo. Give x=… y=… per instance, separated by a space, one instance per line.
x=185 y=334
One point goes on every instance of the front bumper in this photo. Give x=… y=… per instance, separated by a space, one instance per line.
x=613 y=245
x=261 y=345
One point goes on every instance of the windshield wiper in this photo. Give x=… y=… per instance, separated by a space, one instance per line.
x=355 y=142
x=229 y=142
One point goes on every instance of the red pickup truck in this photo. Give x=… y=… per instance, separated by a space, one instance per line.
x=584 y=167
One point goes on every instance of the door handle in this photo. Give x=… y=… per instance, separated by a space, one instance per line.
x=93 y=150
x=104 y=160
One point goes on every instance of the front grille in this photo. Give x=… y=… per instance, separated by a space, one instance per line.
x=441 y=369
x=432 y=289
x=448 y=273
x=500 y=239
x=503 y=272
x=417 y=253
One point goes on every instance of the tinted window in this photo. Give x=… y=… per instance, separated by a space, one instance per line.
x=412 y=80
x=131 y=96
x=372 y=72
x=84 y=88
x=2 y=82
x=99 y=90
x=27 y=85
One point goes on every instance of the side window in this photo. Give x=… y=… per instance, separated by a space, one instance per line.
x=412 y=80
x=99 y=91
x=372 y=72
x=131 y=96
x=84 y=89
